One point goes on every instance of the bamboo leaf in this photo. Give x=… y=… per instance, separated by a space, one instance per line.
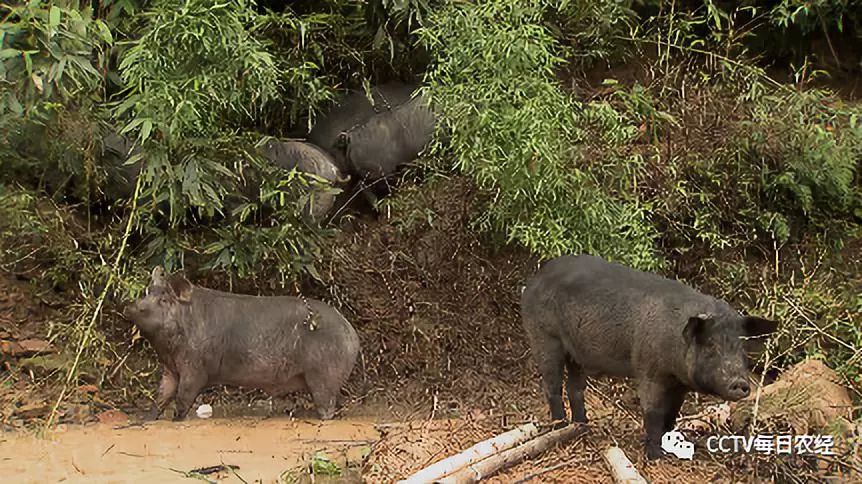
x=54 y=17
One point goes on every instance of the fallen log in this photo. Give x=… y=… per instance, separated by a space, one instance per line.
x=474 y=454
x=495 y=463
x=622 y=469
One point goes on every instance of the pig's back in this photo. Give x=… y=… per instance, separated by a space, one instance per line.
x=591 y=280
x=249 y=317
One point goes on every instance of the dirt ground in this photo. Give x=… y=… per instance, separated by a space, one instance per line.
x=262 y=450
x=381 y=434
x=444 y=365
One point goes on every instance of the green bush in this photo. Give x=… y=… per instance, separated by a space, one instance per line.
x=520 y=136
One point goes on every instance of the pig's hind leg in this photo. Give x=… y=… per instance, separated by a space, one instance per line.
x=191 y=384
x=551 y=362
x=576 y=383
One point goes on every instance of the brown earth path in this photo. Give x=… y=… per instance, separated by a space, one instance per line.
x=264 y=450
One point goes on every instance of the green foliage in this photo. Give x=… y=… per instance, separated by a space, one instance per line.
x=46 y=51
x=193 y=65
x=185 y=101
x=31 y=234
x=517 y=133
x=809 y=154
x=591 y=30
x=321 y=465
x=814 y=14
x=298 y=44
x=51 y=58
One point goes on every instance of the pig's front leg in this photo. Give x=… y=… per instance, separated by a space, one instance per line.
x=167 y=391
x=192 y=381
x=655 y=406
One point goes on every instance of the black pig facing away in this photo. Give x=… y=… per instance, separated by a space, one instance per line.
x=278 y=344
x=591 y=317
x=354 y=110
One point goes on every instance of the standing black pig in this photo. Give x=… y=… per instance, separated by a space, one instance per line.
x=593 y=317
x=308 y=158
x=354 y=110
x=387 y=140
x=277 y=344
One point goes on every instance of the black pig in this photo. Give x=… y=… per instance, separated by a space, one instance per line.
x=205 y=337
x=592 y=317
x=354 y=110
x=378 y=147
x=116 y=150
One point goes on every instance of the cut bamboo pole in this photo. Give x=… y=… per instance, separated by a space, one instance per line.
x=474 y=454
x=622 y=469
x=495 y=463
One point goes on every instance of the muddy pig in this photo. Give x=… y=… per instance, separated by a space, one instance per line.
x=592 y=317
x=205 y=337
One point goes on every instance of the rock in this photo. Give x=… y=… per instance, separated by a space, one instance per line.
x=23 y=348
x=205 y=411
x=808 y=397
x=88 y=389
x=33 y=410
x=112 y=416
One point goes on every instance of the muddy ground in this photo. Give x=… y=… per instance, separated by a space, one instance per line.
x=444 y=365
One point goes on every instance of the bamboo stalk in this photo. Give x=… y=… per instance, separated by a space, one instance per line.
x=474 y=454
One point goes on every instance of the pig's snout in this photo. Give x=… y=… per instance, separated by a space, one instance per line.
x=738 y=389
x=130 y=311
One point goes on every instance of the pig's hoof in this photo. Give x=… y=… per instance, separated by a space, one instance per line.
x=178 y=418
x=151 y=416
x=653 y=453
x=326 y=414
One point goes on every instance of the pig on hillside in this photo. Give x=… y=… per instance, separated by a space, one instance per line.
x=308 y=158
x=378 y=147
x=279 y=345
x=354 y=110
x=116 y=150
x=591 y=317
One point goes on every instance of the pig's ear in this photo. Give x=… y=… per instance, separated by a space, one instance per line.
x=754 y=326
x=181 y=288
x=696 y=328
x=157 y=277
